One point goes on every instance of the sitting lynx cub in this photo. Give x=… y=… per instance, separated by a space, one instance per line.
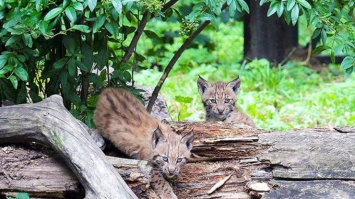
x=219 y=101
x=123 y=120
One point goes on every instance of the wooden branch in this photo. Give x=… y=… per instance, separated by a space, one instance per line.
x=50 y=123
x=174 y=59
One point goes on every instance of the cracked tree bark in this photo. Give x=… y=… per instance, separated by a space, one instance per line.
x=293 y=164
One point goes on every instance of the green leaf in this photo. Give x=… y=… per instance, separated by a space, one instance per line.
x=64 y=83
x=290 y=4
x=152 y=35
x=348 y=71
x=116 y=74
x=126 y=30
x=14 y=81
x=21 y=73
x=92 y=4
x=244 y=5
x=12 y=40
x=88 y=57
x=70 y=13
x=102 y=58
x=71 y=67
x=320 y=49
x=75 y=99
x=81 y=28
x=21 y=58
x=17 y=30
x=98 y=23
x=11 y=23
x=96 y=80
x=206 y=17
x=348 y=61
x=44 y=27
x=272 y=9
x=117 y=4
x=295 y=14
x=316 y=33
x=262 y=2
x=78 y=6
x=215 y=23
x=53 y=13
x=60 y=63
x=112 y=27
x=305 y=4
x=3 y=60
x=232 y=8
x=27 y=39
x=287 y=17
x=323 y=36
x=6 y=69
x=280 y=9
x=69 y=44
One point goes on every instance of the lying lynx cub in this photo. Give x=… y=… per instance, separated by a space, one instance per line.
x=219 y=101
x=123 y=120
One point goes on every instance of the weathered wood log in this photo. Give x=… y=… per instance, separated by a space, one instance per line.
x=289 y=163
x=41 y=172
x=50 y=123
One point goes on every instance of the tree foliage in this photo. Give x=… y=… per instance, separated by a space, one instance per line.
x=72 y=46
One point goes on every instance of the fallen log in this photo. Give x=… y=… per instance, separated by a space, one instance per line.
x=42 y=173
x=48 y=122
x=233 y=161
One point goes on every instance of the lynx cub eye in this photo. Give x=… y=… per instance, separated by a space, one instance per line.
x=227 y=100
x=179 y=160
x=212 y=100
x=165 y=159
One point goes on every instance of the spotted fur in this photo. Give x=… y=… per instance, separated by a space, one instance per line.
x=219 y=100
x=123 y=120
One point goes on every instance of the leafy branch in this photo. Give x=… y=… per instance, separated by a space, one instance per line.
x=174 y=59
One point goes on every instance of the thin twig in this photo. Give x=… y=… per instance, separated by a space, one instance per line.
x=219 y=184
x=140 y=29
x=174 y=60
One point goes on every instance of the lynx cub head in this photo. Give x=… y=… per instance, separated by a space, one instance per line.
x=170 y=153
x=218 y=98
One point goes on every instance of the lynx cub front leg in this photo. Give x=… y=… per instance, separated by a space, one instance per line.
x=161 y=186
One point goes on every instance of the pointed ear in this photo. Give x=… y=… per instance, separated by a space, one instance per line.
x=188 y=139
x=234 y=85
x=157 y=138
x=202 y=85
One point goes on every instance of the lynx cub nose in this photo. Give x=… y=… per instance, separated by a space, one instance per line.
x=220 y=110
x=172 y=169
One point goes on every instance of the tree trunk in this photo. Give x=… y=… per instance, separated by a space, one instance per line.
x=267 y=37
x=242 y=161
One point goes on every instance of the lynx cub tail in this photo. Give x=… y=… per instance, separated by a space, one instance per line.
x=123 y=120
x=219 y=100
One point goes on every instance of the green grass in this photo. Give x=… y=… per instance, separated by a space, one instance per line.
x=301 y=98
x=291 y=96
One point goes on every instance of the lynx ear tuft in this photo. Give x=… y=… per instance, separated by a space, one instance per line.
x=188 y=139
x=158 y=138
x=234 y=85
x=202 y=85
